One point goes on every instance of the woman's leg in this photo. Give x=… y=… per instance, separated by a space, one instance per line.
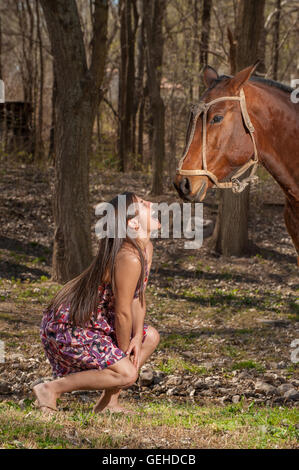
x=121 y=374
x=109 y=398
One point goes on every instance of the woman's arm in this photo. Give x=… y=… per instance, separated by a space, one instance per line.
x=127 y=272
x=138 y=315
x=138 y=312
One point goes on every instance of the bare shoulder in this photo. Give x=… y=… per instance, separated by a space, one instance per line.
x=128 y=259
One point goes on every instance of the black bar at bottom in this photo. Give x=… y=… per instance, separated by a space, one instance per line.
x=140 y=458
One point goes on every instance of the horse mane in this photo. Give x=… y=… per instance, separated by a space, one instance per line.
x=255 y=78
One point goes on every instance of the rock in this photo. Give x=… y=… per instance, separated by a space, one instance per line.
x=146 y=377
x=244 y=375
x=15 y=357
x=207 y=364
x=222 y=400
x=273 y=365
x=200 y=384
x=282 y=365
x=173 y=380
x=41 y=380
x=271 y=378
x=236 y=398
x=292 y=394
x=5 y=388
x=172 y=391
x=209 y=380
x=22 y=403
x=222 y=390
x=189 y=354
x=284 y=388
x=263 y=387
x=16 y=388
x=216 y=384
x=158 y=376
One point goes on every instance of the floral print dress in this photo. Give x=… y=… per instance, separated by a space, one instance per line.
x=71 y=349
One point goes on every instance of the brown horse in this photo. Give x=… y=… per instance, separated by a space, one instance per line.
x=255 y=122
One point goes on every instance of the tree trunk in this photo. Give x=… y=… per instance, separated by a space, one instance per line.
x=276 y=26
x=126 y=85
x=39 y=147
x=153 y=21
x=205 y=32
x=53 y=118
x=230 y=236
x=139 y=95
x=78 y=95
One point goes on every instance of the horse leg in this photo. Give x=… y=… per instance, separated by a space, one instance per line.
x=291 y=217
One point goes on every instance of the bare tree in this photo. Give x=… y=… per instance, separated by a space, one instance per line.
x=77 y=100
x=276 y=27
x=230 y=235
x=205 y=31
x=153 y=20
x=126 y=108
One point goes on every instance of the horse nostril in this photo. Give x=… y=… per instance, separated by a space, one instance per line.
x=185 y=186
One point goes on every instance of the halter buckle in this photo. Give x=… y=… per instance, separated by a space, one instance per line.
x=238 y=186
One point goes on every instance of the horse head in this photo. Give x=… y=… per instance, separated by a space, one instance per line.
x=219 y=137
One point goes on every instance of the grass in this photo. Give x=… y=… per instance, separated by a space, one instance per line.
x=175 y=363
x=157 y=424
x=177 y=341
x=248 y=365
x=18 y=291
x=211 y=309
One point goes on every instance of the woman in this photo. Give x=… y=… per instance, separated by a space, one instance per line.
x=93 y=330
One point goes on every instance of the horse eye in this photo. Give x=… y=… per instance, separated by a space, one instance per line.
x=216 y=119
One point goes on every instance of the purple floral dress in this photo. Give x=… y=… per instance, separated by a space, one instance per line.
x=72 y=348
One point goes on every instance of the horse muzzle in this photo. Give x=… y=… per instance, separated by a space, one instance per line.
x=187 y=191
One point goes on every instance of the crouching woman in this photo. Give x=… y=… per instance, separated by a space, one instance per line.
x=93 y=330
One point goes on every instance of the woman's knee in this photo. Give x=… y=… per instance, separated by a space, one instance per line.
x=127 y=372
x=153 y=336
x=129 y=376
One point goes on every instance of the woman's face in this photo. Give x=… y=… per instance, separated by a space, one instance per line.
x=145 y=221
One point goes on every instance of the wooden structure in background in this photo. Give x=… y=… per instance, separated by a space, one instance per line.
x=15 y=127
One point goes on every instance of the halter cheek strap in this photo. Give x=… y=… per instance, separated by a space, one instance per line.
x=236 y=185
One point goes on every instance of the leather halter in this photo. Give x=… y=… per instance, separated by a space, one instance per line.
x=236 y=185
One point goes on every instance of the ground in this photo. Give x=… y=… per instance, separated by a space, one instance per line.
x=220 y=375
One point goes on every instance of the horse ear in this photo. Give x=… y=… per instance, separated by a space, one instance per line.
x=238 y=80
x=209 y=75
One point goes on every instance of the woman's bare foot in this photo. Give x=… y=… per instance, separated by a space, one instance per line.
x=112 y=409
x=109 y=402
x=46 y=397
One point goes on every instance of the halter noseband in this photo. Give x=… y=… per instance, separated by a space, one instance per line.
x=236 y=185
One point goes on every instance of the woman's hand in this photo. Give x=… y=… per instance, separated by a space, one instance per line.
x=135 y=348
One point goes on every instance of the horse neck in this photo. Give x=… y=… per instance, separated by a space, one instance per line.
x=275 y=119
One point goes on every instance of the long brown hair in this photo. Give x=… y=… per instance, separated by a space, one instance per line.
x=82 y=291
